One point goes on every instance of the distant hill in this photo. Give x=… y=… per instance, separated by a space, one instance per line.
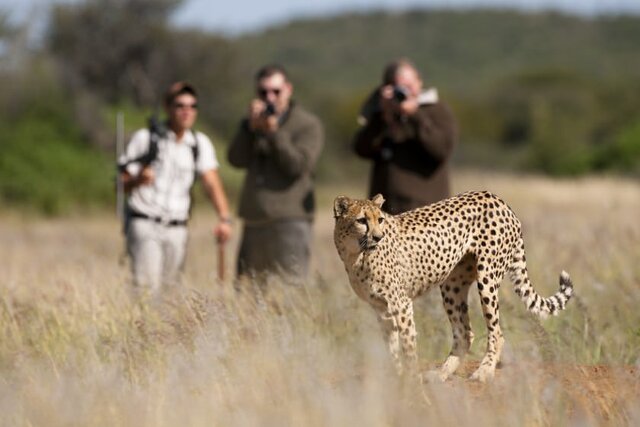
x=537 y=81
x=460 y=50
x=546 y=92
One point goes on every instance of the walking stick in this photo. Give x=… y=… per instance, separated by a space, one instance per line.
x=120 y=195
x=221 y=260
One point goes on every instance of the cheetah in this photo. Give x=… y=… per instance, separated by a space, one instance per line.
x=471 y=239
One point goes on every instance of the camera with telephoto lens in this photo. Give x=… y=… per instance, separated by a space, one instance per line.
x=269 y=109
x=400 y=93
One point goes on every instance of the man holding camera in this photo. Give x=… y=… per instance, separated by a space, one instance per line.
x=158 y=171
x=410 y=135
x=279 y=144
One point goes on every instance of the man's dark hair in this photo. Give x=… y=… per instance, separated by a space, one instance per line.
x=390 y=71
x=177 y=89
x=270 y=70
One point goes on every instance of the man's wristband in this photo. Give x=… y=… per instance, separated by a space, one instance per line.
x=226 y=220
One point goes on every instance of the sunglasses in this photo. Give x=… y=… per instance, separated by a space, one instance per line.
x=262 y=92
x=181 y=106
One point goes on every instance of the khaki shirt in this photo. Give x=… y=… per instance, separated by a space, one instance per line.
x=168 y=197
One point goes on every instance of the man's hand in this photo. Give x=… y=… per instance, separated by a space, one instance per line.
x=271 y=124
x=387 y=105
x=147 y=176
x=256 y=111
x=259 y=121
x=409 y=106
x=222 y=231
x=213 y=186
x=392 y=110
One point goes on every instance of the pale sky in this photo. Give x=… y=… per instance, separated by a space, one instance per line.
x=237 y=16
x=243 y=15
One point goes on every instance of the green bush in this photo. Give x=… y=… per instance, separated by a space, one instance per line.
x=45 y=166
x=624 y=151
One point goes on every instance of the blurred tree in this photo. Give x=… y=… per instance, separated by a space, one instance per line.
x=5 y=27
x=126 y=50
x=553 y=112
x=114 y=47
x=43 y=162
x=209 y=62
x=11 y=43
x=623 y=150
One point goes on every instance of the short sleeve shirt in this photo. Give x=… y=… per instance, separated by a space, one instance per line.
x=168 y=196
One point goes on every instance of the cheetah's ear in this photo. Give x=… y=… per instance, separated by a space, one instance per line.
x=378 y=200
x=340 y=206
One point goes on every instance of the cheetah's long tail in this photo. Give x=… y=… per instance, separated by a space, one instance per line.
x=536 y=304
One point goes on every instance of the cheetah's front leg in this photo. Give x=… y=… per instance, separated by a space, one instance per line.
x=400 y=332
x=390 y=330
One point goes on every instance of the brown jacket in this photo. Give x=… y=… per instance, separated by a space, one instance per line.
x=280 y=167
x=410 y=165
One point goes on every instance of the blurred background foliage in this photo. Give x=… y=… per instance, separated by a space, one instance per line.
x=542 y=92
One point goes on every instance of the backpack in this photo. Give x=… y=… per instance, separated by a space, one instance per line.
x=157 y=130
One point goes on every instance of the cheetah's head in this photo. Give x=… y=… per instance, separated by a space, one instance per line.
x=359 y=223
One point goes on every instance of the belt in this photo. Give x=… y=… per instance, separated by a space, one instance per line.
x=170 y=223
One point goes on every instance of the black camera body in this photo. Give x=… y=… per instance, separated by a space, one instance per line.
x=400 y=94
x=270 y=109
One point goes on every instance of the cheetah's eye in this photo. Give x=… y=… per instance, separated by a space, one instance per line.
x=380 y=220
x=362 y=221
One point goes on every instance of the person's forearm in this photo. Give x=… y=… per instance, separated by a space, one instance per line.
x=216 y=194
x=436 y=133
x=298 y=157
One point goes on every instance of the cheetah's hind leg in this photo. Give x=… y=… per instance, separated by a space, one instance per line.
x=488 y=285
x=455 y=290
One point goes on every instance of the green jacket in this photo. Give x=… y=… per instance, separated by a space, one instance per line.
x=280 y=167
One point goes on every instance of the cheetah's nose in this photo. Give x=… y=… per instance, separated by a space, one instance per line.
x=377 y=237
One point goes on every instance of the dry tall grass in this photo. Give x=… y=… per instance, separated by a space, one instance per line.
x=75 y=349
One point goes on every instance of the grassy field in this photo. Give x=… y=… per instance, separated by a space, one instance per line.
x=76 y=350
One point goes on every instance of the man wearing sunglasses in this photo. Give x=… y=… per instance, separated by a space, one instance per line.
x=278 y=143
x=158 y=170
